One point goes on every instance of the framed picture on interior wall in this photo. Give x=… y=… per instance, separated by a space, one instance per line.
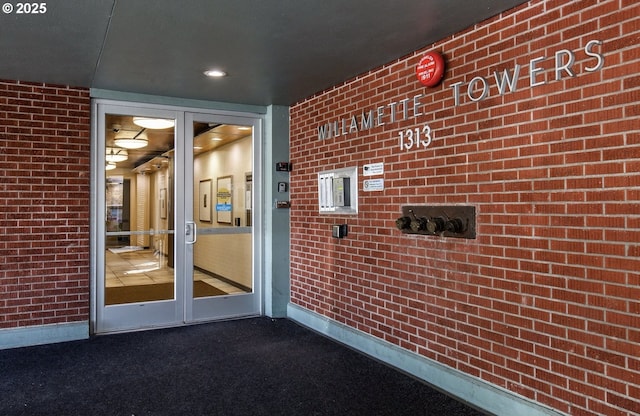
x=163 y=203
x=224 y=206
x=204 y=200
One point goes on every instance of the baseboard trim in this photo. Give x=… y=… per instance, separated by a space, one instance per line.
x=472 y=390
x=43 y=334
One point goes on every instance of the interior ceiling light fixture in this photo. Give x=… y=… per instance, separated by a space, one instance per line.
x=110 y=166
x=115 y=155
x=131 y=140
x=215 y=73
x=153 y=123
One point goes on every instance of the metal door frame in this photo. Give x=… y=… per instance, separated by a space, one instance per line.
x=157 y=314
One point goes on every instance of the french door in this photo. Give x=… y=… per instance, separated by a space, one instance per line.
x=176 y=233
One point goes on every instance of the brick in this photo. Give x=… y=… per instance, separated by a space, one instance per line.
x=552 y=168
x=31 y=262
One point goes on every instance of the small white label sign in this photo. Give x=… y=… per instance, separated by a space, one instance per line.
x=373 y=169
x=374 y=184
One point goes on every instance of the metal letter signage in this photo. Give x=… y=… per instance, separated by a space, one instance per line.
x=430 y=72
x=478 y=88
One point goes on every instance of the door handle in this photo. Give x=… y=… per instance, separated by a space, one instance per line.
x=190 y=228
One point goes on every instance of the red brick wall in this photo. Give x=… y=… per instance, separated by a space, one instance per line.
x=545 y=302
x=44 y=204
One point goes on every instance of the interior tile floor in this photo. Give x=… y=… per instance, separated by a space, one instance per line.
x=144 y=267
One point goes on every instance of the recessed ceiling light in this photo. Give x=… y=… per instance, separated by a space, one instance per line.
x=215 y=73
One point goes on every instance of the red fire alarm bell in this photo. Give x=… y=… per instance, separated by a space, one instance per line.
x=430 y=70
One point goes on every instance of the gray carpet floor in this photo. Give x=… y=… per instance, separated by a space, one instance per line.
x=256 y=366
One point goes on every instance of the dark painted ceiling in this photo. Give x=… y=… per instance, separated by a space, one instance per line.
x=274 y=51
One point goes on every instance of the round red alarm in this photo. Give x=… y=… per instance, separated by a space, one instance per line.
x=430 y=70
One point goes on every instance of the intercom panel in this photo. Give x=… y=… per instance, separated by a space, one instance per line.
x=341 y=189
x=338 y=191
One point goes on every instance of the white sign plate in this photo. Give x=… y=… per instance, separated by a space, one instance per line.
x=373 y=169
x=374 y=184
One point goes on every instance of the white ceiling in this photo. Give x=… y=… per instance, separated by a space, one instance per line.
x=275 y=51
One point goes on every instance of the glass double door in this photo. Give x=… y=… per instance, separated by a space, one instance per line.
x=176 y=240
